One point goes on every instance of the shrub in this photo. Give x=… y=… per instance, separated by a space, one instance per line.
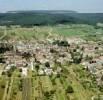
x=2 y=86
x=69 y=89
x=37 y=67
x=3 y=73
x=20 y=70
x=47 y=64
x=9 y=74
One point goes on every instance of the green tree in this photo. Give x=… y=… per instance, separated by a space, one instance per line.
x=69 y=89
x=37 y=67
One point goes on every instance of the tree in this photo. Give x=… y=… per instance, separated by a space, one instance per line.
x=96 y=48
x=2 y=59
x=76 y=55
x=20 y=85
x=53 y=50
x=88 y=58
x=102 y=78
x=47 y=64
x=3 y=73
x=101 y=88
x=69 y=89
x=61 y=43
x=26 y=55
x=49 y=94
x=37 y=67
x=2 y=86
x=20 y=70
x=12 y=68
x=9 y=74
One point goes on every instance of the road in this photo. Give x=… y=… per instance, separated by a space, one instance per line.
x=10 y=89
x=5 y=92
x=26 y=93
x=50 y=32
x=1 y=69
x=5 y=33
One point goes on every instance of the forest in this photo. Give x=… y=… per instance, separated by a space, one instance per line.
x=45 y=17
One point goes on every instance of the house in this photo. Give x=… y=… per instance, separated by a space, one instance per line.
x=31 y=64
x=48 y=71
x=41 y=72
x=24 y=71
x=59 y=69
x=8 y=67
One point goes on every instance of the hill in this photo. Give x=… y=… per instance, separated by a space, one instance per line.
x=46 y=17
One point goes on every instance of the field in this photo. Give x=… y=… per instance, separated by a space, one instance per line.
x=38 y=32
x=52 y=87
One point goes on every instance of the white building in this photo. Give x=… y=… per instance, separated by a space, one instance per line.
x=24 y=71
x=41 y=72
x=48 y=71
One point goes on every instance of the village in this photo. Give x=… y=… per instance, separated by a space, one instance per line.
x=44 y=55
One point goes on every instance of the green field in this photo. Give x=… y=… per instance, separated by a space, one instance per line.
x=38 y=32
x=42 y=88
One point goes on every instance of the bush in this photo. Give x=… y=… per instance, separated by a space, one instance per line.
x=19 y=75
x=53 y=50
x=101 y=88
x=2 y=86
x=47 y=95
x=37 y=67
x=9 y=74
x=53 y=81
x=3 y=73
x=61 y=43
x=76 y=57
x=47 y=64
x=69 y=89
x=20 y=70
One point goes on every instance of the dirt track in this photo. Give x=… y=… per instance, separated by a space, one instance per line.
x=26 y=89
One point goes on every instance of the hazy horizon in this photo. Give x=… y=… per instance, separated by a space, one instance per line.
x=88 y=6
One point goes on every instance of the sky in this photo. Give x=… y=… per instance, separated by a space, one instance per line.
x=87 y=6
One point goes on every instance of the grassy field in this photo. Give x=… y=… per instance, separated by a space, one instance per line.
x=38 y=32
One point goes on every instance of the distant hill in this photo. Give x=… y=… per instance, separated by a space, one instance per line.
x=43 y=11
x=49 y=17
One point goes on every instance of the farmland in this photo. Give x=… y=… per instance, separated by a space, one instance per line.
x=42 y=87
